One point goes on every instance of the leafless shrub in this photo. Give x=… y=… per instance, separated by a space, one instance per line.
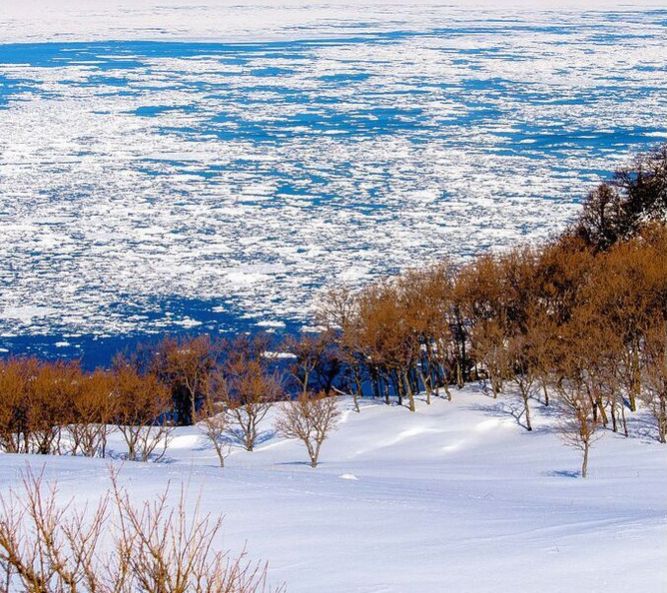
x=310 y=419
x=115 y=546
x=214 y=422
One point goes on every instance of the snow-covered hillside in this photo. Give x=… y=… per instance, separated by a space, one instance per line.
x=455 y=497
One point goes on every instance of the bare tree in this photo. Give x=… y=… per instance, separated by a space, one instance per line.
x=490 y=348
x=655 y=371
x=523 y=375
x=247 y=386
x=249 y=396
x=337 y=311
x=214 y=423
x=310 y=419
x=50 y=393
x=316 y=361
x=185 y=365
x=578 y=427
x=93 y=410
x=15 y=378
x=142 y=411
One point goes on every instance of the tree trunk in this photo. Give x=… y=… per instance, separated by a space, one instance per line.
x=398 y=387
x=221 y=457
x=464 y=360
x=612 y=410
x=427 y=386
x=624 y=420
x=636 y=380
x=359 y=392
x=495 y=388
x=311 y=453
x=459 y=374
x=529 y=426
x=584 y=465
x=193 y=408
x=546 y=393
x=404 y=380
x=316 y=455
x=603 y=413
x=375 y=381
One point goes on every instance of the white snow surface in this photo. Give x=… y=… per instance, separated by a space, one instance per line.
x=455 y=497
x=225 y=20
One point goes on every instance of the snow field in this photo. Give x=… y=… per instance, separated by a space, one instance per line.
x=205 y=20
x=455 y=497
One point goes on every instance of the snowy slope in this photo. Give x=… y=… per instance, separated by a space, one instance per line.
x=456 y=497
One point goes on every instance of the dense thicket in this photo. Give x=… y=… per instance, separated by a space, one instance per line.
x=582 y=316
x=543 y=319
x=618 y=209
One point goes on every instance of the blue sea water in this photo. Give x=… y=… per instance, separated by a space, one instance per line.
x=186 y=187
x=319 y=113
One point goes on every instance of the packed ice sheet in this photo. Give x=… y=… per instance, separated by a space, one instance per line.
x=139 y=177
x=223 y=20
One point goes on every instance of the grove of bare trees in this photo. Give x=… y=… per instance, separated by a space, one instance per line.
x=581 y=319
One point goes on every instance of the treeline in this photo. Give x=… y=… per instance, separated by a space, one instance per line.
x=57 y=408
x=558 y=317
x=226 y=386
x=582 y=318
x=617 y=210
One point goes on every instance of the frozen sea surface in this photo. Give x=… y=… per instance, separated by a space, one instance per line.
x=151 y=186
